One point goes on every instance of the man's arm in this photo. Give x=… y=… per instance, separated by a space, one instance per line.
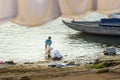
x=45 y=46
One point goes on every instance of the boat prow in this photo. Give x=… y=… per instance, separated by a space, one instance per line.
x=103 y=27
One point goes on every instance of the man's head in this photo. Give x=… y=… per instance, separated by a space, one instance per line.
x=49 y=37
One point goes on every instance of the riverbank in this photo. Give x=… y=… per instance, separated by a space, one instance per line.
x=104 y=69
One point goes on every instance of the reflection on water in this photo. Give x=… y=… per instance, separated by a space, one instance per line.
x=92 y=45
x=92 y=38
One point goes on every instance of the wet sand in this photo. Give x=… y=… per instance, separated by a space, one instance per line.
x=38 y=72
x=40 y=75
x=110 y=70
x=91 y=76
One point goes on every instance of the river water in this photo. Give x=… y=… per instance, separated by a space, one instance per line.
x=26 y=44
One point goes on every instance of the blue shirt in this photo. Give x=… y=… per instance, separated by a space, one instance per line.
x=48 y=42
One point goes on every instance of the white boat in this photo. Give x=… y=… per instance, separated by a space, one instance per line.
x=106 y=26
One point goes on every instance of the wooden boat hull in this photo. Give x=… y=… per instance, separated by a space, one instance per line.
x=93 y=28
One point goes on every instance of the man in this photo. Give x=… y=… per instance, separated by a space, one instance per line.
x=48 y=48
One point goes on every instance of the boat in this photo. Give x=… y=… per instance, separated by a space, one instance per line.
x=105 y=26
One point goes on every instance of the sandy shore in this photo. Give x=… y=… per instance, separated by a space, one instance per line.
x=111 y=71
x=30 y=72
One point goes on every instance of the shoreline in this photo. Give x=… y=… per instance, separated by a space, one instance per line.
x=110 y=65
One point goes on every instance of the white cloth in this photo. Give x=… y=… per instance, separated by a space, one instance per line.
x=56 y=54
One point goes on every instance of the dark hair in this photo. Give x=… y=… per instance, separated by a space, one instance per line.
x=49 y=37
